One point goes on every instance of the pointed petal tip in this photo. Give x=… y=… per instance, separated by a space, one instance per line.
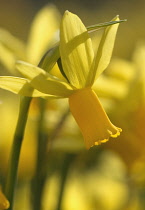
x=67 y=12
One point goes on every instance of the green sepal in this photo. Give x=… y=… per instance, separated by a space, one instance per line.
x=59 y=63
x=49 y=59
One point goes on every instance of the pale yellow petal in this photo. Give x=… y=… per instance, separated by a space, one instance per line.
x=91 y=117
x=44 y=82
x=7 y=58
x=19 y=86
x=110 y=87
x=104 y=52
x=12 y=43
x=75 y=49
x=43 y=33
x=121 y=69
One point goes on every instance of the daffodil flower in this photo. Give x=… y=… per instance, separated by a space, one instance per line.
x=81 y=68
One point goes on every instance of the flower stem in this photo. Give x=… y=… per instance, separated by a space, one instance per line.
x=57 y=129
x=16 y=148
x=40 y=176
x=43 y=155
x=63 y=178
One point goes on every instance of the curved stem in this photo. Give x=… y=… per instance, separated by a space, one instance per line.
x=16 y=148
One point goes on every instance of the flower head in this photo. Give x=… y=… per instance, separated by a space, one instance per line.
x=81 y=67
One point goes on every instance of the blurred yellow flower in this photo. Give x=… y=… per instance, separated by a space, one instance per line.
x=43 y=34
x=4 y=203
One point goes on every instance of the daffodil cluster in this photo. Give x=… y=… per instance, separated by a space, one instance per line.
x=80 y=67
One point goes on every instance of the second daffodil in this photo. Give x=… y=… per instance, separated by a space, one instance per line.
x=81 y=68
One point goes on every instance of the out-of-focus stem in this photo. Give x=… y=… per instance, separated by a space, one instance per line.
x=63 y=178
x=15 y=151
x=40 y=176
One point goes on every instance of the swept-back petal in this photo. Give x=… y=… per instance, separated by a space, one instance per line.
x=75 y=49
x=19 y=86
x=42 y=33
x=44 y=82
x=91 y=117
x=104 y=52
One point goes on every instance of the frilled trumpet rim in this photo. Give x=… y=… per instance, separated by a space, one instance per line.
x=91 y=117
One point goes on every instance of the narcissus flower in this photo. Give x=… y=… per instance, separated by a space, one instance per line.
x=81 y=67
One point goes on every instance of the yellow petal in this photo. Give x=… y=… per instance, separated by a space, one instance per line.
x=43 y=33
x=7 y=58
x=91 y=117
x=4 y=203
x=19 y=86
x=44 y=82
x=104 y=52
x=110 y=87
x=75 y=49
x=12 y=43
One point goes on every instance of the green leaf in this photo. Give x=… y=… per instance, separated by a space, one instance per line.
x=43 y=81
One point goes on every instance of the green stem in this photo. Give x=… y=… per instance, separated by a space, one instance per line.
x=43 y=155
x=40 y=173
x=57 y=129
x=64 y=173
x=16 y=148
